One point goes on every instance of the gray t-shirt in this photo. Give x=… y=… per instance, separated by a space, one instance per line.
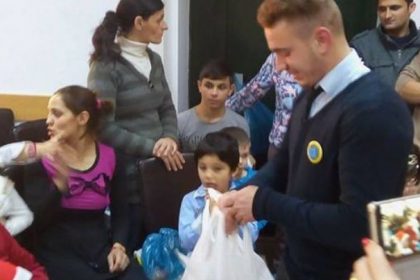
x=191 y=129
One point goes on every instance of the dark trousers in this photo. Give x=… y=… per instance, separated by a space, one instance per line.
x=135 y=237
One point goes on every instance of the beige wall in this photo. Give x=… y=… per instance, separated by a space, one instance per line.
x=25 y=107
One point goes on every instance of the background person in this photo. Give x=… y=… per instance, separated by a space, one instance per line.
x=393 y=43
x=125 y=71
x=286 y=89
x=215 y=84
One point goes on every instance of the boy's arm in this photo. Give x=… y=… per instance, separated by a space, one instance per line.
x=253 y=230
x=189 y=227
x=19 y=217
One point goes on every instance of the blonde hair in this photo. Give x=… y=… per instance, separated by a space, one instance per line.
x=309 y=13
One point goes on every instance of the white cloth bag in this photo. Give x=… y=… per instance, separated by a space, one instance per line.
x=218 y=256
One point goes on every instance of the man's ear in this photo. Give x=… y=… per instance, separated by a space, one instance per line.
x=322 y=39
x=412 y=7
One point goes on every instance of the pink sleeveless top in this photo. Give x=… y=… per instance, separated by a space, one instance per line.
x=88 y=189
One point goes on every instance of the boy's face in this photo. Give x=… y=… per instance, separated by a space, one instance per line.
x=214 y=173
x=214 y=92
x=243 y=159
x=243 y=155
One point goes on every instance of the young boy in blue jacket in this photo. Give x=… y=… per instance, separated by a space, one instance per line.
x=217 y=158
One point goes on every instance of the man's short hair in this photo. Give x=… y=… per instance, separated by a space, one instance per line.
x=310 y=12
x=216 y=69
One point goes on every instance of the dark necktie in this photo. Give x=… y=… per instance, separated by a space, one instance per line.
x=312 y=95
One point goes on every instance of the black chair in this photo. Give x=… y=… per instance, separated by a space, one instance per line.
x=7 y=122
x=35 y=130
x=162 y=192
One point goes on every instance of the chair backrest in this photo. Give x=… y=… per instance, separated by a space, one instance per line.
x=7 y=122
x=35 y=130
x=162 y=191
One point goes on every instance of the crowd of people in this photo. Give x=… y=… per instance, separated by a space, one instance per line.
x=339 y=108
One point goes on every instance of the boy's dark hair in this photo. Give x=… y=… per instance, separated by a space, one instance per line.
x=221 y=144
x=216 y=69
x=237 y=133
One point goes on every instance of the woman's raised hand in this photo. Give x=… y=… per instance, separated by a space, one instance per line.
x=374 y=265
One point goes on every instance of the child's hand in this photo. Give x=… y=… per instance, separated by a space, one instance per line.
x=212 y=204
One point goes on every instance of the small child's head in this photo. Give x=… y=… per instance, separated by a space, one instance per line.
x=215 y=84
x=217 y=158
x=245 y=157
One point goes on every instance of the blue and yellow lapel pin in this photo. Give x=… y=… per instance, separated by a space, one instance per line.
x=314 y=152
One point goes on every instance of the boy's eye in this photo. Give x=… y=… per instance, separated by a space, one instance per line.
x=209 y=85
x=222 y=87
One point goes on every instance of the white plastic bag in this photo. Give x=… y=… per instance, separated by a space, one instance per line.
x=218 y=256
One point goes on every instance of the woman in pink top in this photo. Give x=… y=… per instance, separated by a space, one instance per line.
x=74 y=241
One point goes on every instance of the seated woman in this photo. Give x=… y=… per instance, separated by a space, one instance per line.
x=75 y=242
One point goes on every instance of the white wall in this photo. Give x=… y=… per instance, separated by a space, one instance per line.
x=416 y=14
x=176 y=50
x=46 y=44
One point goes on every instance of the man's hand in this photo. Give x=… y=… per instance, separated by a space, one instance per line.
x=237 y=206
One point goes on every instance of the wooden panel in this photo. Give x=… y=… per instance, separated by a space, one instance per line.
x=25 y=107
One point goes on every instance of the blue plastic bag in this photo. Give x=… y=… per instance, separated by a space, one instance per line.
x=159 y=257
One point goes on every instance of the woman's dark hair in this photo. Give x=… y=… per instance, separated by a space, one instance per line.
x=78 y=99
x=221 y=144
x=120 y=22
